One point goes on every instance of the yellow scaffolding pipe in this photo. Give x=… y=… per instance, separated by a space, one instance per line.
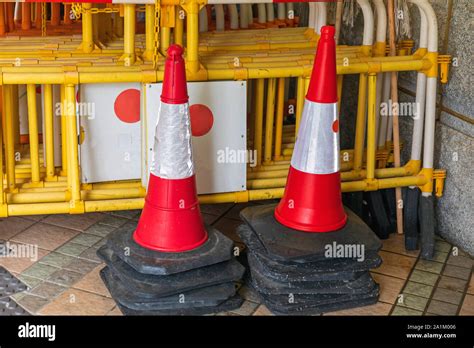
x=33 y=133
x=49 y=132
x=269 y=120
x=64 y=148
x=129 y=35
x=360 y=123
x=179 y=26
x=9 y=137
x=279 y=118
x=87 y=31
x=300 y=93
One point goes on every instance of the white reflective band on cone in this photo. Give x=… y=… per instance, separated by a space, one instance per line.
x=172 y=151
x=317 y=146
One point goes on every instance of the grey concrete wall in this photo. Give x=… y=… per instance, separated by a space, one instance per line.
x=455 y=118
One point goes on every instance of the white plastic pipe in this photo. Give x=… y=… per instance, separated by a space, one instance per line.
x=262 y=13
x=321 y=18
x=203 y=27
x=250 y=8
x=281 y=8
x=270 y=12
x=368 y=38
x=381 y=35
x=384 y=136
x=220 y=21
x=234 y=16
x=244 y=16
x=417 y=140
x=312 y=15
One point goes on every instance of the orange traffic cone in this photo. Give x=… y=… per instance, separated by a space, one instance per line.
x=171 y=220
x=312 y=199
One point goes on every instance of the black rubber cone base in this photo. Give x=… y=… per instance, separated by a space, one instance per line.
x=203 y=297
x=216 y=249
x=311 y=271
x=285 y=244
x=270 y=286
x=317 y=304
x=232 y=303
x=411 y=227
x=155 y=285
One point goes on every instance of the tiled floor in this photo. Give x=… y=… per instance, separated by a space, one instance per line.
x=64 y=280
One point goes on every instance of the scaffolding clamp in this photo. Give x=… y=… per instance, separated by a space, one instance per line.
x=439 y=175
x=444 y=60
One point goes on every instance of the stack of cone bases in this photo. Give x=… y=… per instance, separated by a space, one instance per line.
x=171 y=263
x=308 y=254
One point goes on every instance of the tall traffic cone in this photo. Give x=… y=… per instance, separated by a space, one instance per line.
x=316 y=270
x=312 y=200
x=171 y=263
x=171 y=220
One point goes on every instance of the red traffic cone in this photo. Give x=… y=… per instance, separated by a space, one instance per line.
x=312 y=199
x=171 y=220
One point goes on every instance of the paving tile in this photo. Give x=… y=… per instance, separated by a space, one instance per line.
x=18 y=264
x=81 y=266
x=92 y=282
x=390 y=287
x=450 y=283
x=35 y=218
x=228 y=227
x=215 y=209
x=250 y=294
x=396 y=244
x=399 y=310
x=412 y=301
x=443 y=246
x=247 y=308
x=262 y=310
x=429 y=266
x=31 y=282
x=32 y=303
x=78 y=302
x=234 y=212
x=112 y=220
x=39 y=270
x=460 y=261
x=457 y=272
x=86 y=239
x=57 y=259
x=395 y=265
x=115 y=312
x=64 y=277
x=418 y=289
x=224 y=314
x=442 y=308
x=440 y=256
x=467 y=306
x=91 y=254
x=18 y=296
x=449 y=296
x=129 y=214
x=378 y=308
x=72 y=249
x=47 y=290
x=470 y=289
x=100 y=230
x=13 y=225
x=422 y=277
x=209 y=218
x=79 y=222
x=46 y=236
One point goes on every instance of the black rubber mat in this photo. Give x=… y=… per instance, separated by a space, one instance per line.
x=9 y=285
x=9 y=307
x=174 y=283
x=285 y=244
x=216 y=249
x=232 y=303
x=203 y=297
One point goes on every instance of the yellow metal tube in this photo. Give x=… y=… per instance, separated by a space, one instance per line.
x=64 y=153
x=165 y=37
x=149 y=31
x=258 y=128
x=129 y=34
x=33 y=133
x=87 y=31
x=179 y=26
x=192 y=36
x=279 y=117
x=49 y=131
x=360 y=123
x=269 y=120
x=16 y=115
x=9 y=137
x=300 y=92
x=371 y=131
x=73 y=170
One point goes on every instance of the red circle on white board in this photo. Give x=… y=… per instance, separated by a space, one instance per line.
x=127 y=106
x=202 y=119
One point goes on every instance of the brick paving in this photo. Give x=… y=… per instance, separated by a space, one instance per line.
x=64 y=280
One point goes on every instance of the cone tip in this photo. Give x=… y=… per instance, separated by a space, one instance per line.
x=328 y=31
x=174 y=51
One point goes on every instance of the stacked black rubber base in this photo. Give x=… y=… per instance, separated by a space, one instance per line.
x=293 y=271
x=147 y=282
